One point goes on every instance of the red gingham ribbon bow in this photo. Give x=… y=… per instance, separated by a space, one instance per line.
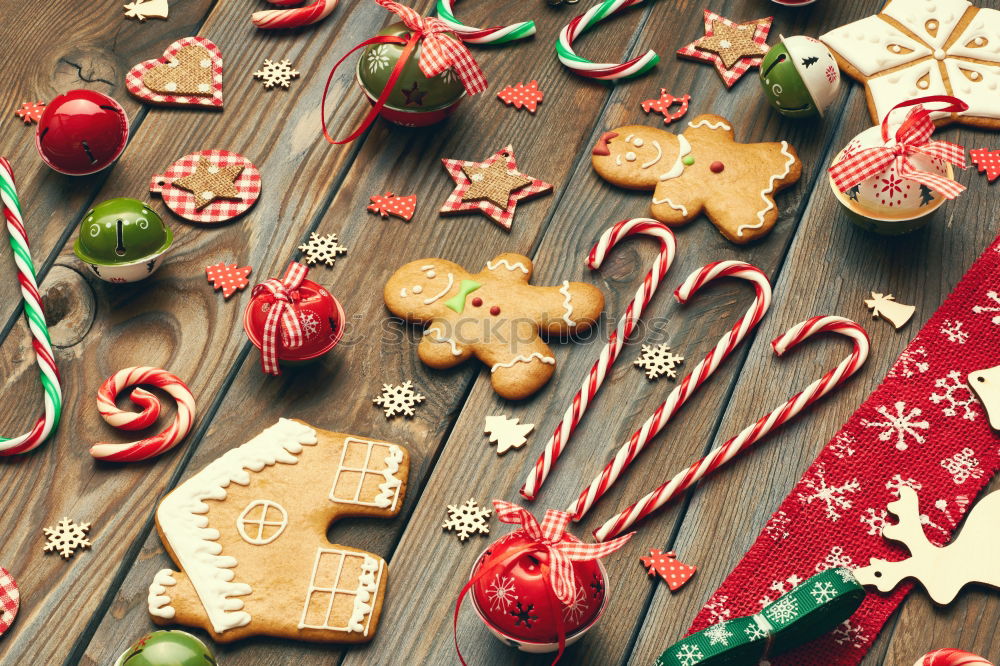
x=562 y=554
x=912 y=138
x=284 y=294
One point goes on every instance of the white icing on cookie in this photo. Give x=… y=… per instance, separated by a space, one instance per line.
x=630 y=156
x=659 y=154
x=704 y=122
x=918 y=16
x=182 y=520
x=678 y=167
x=548 y=360
x=516 y=266
x=438 y=336
x=768 y=190
x=158 y=601
x=364 y=594
x=666 y=200
x=564 y=290
x=388 y=493
x=451 y=283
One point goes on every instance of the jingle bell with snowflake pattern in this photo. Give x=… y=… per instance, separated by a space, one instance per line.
x=81 y=132
x=515 y=600
x=169 y=647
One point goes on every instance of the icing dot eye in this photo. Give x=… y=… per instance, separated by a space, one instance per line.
x=630 y=156
x=431 y=275
x=495 y=310
x=638 y=143
x=476 y=302
x=417 y=289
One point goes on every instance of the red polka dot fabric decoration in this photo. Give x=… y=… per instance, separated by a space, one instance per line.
x=666 y=565
x=10 y=600
x=230 y=278
x=988 y=162
x=389 y=204
x=522 y=96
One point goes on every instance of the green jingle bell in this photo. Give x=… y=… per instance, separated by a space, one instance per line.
x=122 y=240
x=168 y=647
x=800 y=77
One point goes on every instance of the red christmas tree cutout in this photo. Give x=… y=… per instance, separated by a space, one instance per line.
x=228 y=277
x=389 y=204
x=31 y=112
x=674 y=572
x=526 y=96
x=988 y=162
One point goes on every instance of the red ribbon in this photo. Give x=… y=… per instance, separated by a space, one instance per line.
x=557 y=570
x=283 y=295
x=912 y=138
x=439 y=51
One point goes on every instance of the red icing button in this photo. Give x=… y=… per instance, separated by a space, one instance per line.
x=717 y=167
x=495 y=310
x=476 y=302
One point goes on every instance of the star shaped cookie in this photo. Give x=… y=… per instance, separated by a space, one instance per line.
x=732 y=47
x=210 y=182
x=493 y=186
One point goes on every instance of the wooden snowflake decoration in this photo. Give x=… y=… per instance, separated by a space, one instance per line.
x=276 y=73
x=66 y=537
x=322 y=248
x=398 y=399
x=658 y=360
x=466 y=519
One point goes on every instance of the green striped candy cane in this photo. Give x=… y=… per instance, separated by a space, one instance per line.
x=600 y=70
x=494 y=35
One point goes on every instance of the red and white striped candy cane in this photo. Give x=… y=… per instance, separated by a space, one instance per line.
x=151 y=446
x=694 y=379
x=756 y=432
x=605 y=71
x=592 y=384
x=952 y=657
x=277 y=19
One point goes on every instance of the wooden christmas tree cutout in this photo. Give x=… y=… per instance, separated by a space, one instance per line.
x=943 y=571
x=886 y=307
x=986 y=385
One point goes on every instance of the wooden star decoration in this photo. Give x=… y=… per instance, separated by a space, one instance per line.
x=732 y=47
x=492 y=187
x=210 y=182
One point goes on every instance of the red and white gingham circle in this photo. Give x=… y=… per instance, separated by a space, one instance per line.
x=182 y=202
x=10 y=600
x=134 y=84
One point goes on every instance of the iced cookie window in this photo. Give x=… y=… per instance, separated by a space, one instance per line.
x=365 y=475
x=261 y=522
x=341 y=589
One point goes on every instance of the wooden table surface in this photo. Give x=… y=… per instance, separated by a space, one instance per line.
x=88 y=609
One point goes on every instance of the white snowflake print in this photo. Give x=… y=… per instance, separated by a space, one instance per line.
x=322 y=248
x=377 y=59
x=501 y=593
x=689 y=655
x=276 y=73
x=66 y=537
x=717 y=634
x=833 y=497
x=897 y=481
x=875 y=519
x=953 y=331
x=466 y=519
x=754 y=632
x=448 y=76
x=899 y=425
x=658 y=360
x=400 y=399
x=843 y=445
x=962 y=466
x=961 y=503
x=835 y=559
x=846 y=575
x=309 y=323
x=777 y=527
x=783 y=610
x=986 y=309
x=911 y=363
x=574 y=610
x=780 y=588
x=954 y=390
x=822 y=591
x=716 y=607
x=849 y=634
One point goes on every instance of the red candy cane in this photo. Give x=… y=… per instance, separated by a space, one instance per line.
x=952 y=657
x=276 y=19
x=591 y=385
x=151 y=446
x=680 y=395
x=759 y=430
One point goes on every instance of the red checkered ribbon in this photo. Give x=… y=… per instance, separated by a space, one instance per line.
x=440 y=49
x=284 y=294
x=548 y=537
x=912 y=138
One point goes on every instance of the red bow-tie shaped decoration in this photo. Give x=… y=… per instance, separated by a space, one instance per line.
x=912 y=138
x=440 y=49
x=284 y=293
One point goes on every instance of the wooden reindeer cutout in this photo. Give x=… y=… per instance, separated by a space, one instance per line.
x=970 y=557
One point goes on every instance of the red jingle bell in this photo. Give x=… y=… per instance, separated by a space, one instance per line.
x=81 y=132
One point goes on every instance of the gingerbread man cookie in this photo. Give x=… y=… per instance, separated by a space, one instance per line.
x=494 y=315
x=702 y=169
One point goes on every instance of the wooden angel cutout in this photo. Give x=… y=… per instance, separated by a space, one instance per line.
x=886 y=307
x=971 y=557
x=986 y=385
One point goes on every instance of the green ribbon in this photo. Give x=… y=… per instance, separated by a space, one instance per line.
x=807 y=612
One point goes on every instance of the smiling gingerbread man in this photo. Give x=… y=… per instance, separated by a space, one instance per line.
x=703 y=169
x=494 y=315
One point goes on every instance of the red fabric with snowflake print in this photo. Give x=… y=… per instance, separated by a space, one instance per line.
x=922 y=428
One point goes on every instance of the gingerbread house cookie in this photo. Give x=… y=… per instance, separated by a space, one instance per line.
x=248 y=533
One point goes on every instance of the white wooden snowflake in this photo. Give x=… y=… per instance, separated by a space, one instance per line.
x=66 y=537
x=276 y=73
x=689 y=655
x=822 y=591
x=322 y=248
x=507 y=433
x=956 y=394
x=398 y=399
x=834 y=497
x=900 y=425
x=658 y=360
x=466 y=519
